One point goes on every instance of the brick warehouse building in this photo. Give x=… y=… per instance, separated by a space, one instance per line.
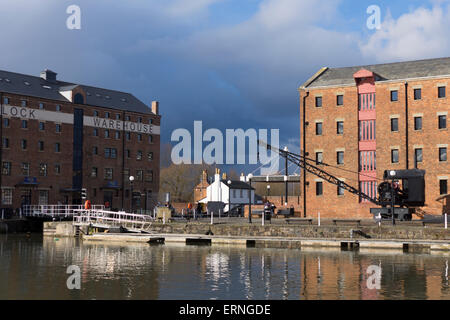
x=366 y=119
x=59 y=137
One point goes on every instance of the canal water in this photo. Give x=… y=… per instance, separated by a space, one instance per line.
x=36 y=268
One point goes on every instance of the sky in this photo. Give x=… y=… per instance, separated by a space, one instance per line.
x=229 y=63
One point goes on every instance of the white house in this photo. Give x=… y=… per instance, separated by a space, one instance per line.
x=234 y=192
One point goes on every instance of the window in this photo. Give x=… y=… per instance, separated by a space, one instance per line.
x=150 y=121
x=418 y=156
x=5 y=100
x=128 y=136
x=95 y=132
x=394 y=124
x=417 y=94
x=113 y=153
x=108 y=173
x=117 y=116
x=126 y=173
x=25 y=167
x=43 y=169
x=441 y=92
x=5 y=143
x=127 y=118
x=107 y=153
x=394 y=155
x=94 y=172
x=7 y=196
x=107 y=115
x=150 y=138
x=319 y=188
x=58 y=128
x=443 y=154
x=57 y=168
x=106 y=133
x=140 y=175
x=41 y=106
x=23 y=103
x=95 y=113
x=340 y=157
x=6 y=122
x=319 y=157
x=128 y=153
x=24 y=124
x=318 y=102
x=417 y=123
x=57 y=147
x=394 y=95
x=117 y=135
x=340 y=190
x=443 y=187
x=318 y=128
x=149 y=176
x=41 y=126
x=442 y=122
x=78 y=99
x=58 y=107
x=139 y=136
x=340 y=100
x=95 y=150
x=140 y=119
x=139 y=155
x=43 y=197
x=340 y=127
x=150 y=156
x=6 y=168
x=41 y=145
x=23 y=144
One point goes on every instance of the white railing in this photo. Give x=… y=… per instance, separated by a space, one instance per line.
x=107 y=219
x=54 y=211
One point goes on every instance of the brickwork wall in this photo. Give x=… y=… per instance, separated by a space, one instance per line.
x=53 y=182
x=330 y=204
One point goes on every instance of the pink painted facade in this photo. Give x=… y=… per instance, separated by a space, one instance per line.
x=365 y=82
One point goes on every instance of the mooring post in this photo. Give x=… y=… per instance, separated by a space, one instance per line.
x=445 y=221
x=263 y=214
x=319 y=218
x=212 y=217
x=164 y=217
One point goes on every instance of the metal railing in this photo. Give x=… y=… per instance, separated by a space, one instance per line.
x=54 y=211
x=110 y=219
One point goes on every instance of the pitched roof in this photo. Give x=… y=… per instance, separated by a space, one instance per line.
x=16 y=83
x=387 y=71
x=236 y=184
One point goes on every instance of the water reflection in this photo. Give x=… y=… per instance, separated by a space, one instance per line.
x=35 y=268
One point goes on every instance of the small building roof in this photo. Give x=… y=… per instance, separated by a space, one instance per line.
x=236 y=184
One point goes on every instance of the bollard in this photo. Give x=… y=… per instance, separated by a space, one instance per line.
x=445 y=221
x=212 y=217
x=319 y=219
x=263 y=216
x=164 y=217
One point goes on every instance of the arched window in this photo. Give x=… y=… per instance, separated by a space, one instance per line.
x=78 y=99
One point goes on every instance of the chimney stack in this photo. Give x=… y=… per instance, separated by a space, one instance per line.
x=48 y=75
x=155 y=107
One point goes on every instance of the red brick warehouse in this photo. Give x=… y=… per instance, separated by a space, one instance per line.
x=60 y=137
x=366 y=119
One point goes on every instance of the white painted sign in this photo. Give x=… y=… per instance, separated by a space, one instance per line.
x=61 y=117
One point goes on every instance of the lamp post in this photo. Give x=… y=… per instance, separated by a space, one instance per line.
x=268 y=192
x=249 y=178
x=229 y=197
x=131 y=193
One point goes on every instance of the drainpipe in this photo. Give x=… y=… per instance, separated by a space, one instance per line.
x=406 y=125
x=1 y=148
x=304 y=151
